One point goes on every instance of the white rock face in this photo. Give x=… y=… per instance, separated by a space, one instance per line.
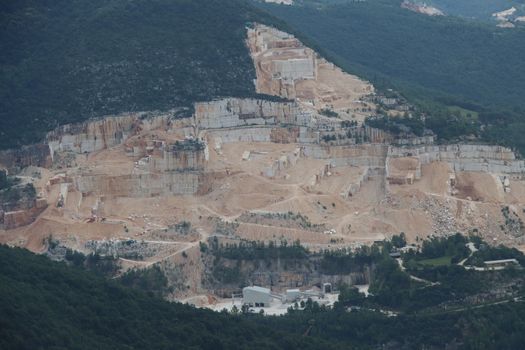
x=285 y=67
x=234 y=112
x=354 y=187
x=460 y=157
x=180 y=168
x=100 y=134
x=278 y=166
x=140 y=185
x=480 y=158
x=294 y=69
x=243 y=135
x=369 y=155
x=180 y=159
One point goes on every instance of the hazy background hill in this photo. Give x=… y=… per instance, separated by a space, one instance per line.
x=476 y=9
x=68 y=60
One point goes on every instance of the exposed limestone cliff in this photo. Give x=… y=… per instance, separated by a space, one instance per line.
x=33 y=155
x=235 y=112
x=101 y=134
x=462 y=157
x=280 y=274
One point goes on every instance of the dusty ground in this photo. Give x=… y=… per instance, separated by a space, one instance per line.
x=376 y=211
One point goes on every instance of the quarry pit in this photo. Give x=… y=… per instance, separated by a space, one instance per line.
x=259 y=170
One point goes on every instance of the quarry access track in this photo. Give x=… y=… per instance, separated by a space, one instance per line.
x=159 y=259
x=402 y=267
x=215 y=213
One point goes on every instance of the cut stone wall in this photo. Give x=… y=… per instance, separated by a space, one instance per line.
x=354 y=135
x=284 y=162
x=403 y=170
x=33 y=155
x=416 y=141
x=294 y=69
x=281 y=61
x=243 y=135
x=100 y=134
x=354 y=187
x=462 y=157
x=235 y=112
x=285 y=135
x=369 y=155
x=143 y=185
x=14 y=219
x=187 y=155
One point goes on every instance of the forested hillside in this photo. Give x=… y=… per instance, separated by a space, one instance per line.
x=50 y=305
x=437 y=62
x=68 y=60
x=446 y=56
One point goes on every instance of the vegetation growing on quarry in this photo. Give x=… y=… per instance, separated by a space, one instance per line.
x=12 y=196
x=259 y=250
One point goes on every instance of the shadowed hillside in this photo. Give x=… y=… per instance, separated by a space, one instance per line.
x=48 y=305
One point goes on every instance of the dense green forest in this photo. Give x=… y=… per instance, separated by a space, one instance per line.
x=439 y=63
x=68 y=60
x=51 y=305
x=387 y=44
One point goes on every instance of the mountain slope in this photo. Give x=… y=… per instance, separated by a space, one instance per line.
x=437 y=58
x=47 y=305
x=64 y=61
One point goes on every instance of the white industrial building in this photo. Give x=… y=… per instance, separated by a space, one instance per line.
x=256 y=296
x=293 y=295
x=494 y=264
x=262 y=299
